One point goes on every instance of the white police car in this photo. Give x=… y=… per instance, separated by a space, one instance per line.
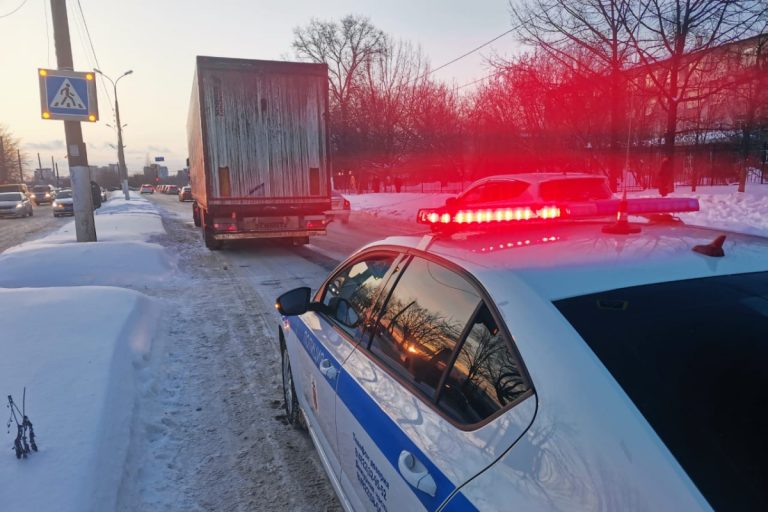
x=542 y=365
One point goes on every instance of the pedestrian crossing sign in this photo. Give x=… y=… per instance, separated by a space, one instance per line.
x=68 y=95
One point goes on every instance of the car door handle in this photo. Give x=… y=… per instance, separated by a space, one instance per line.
x=415 y=473
x=327 y=369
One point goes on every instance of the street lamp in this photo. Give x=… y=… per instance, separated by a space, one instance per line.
x=120 y=155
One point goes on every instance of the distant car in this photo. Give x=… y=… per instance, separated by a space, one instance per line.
x=185 y=193
x=532 y=187
x=15 y=204
x=171 y=189
x=147 y=189
x=62 y=205
x=43 y=194
x=340 y=207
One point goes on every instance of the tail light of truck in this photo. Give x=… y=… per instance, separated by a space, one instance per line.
x=315 y=224
x=220 y=226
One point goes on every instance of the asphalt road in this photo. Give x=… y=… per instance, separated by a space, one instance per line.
x=16 y=231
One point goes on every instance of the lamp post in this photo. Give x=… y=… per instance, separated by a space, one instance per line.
x=120 y=154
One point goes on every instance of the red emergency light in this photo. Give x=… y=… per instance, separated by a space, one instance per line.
x=524 y=213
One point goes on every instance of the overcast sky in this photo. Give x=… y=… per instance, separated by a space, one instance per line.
x=159 y=39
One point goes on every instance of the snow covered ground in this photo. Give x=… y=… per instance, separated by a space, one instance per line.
x=151 y=368
x=79 y=343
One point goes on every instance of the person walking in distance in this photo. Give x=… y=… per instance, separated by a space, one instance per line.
x=665 y=177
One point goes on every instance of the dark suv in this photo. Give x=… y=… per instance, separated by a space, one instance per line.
x=43 y=194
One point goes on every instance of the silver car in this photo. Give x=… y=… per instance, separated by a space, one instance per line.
x=15 y=204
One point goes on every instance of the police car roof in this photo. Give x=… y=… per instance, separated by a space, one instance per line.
x=567 y=259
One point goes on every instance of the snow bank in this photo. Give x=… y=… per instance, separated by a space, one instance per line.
x=79 y=350
x=76 y=351
x=44 y=264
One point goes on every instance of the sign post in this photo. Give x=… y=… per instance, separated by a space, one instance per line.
x=67 y=95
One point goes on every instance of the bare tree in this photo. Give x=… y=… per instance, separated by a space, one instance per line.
x=346 y=46
x=590 y=38
x=11 y=158
x=674 y=39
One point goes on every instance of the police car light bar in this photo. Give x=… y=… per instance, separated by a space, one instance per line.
x=480 y=216
x=601 y=208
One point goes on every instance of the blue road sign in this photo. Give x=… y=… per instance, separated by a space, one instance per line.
x=68 y=95
x=159 y=159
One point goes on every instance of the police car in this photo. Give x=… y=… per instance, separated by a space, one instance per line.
x=536 y=358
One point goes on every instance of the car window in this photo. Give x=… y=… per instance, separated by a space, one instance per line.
x=64 y=194
x=422 y=321
x=350 y=294
x=494 y=192
x=11 y=196
x=581 y=189
x=486 y=375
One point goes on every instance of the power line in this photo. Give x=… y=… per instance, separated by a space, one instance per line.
x=47 y=35
x=93 y=50
x=15 y=10
x=494 y=74
x=470 y=52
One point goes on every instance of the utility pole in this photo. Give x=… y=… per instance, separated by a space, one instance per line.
x=85 y=227
x=122 y=171
x=39 y=168
x=3 y=170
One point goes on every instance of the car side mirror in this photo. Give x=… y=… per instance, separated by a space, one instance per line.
x=294 y=302
x=451 y=202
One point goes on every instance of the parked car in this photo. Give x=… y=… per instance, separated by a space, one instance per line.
x=541 y=364
x=15 y=204
x=63 y=205
x=185 y=193
x=147 y=189
x=340 y=207
x=43 y=194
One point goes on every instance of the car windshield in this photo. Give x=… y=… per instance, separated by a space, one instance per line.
x=691 y=355
x=64 y=194
x=40 y=188
x=11 y=196
x=579 y=189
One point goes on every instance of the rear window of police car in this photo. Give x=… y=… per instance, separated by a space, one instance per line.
x=692 y=355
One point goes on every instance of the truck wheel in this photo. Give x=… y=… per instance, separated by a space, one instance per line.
x=196 y=215
x=210 y=242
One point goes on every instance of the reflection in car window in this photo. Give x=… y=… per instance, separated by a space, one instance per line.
x=351 y=293
x=486 y=375
x=422 y=321
x=11 y=196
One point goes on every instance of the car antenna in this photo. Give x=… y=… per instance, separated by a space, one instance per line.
x=622 y=225
x=713 y=249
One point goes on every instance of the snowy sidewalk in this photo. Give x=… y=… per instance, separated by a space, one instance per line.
x=79 y=342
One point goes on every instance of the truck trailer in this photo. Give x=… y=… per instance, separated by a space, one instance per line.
x=259 y=153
